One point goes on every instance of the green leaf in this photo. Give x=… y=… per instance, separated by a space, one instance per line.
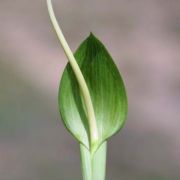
x=106 y=89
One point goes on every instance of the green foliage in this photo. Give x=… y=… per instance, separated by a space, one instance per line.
x=106 y=89
x=92 y=100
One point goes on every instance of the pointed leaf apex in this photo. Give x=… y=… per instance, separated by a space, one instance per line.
x=91 y=35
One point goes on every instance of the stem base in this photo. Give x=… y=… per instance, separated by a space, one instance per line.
x=93 y=165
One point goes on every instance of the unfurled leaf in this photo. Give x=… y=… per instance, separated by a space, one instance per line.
x=106 y=89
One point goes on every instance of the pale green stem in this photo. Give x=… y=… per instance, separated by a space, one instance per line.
x=78 y=74
x=93 y=165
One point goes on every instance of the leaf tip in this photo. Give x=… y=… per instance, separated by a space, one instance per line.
x=91 y=35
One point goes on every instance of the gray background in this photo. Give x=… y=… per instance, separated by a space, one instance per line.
x=143 y=37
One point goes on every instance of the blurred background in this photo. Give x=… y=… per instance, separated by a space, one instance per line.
x=143 y=37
